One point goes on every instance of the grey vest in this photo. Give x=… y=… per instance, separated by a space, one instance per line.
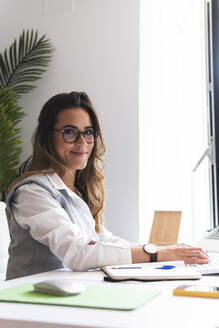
x=26 y=255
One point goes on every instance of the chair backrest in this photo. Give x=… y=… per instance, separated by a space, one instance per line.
x=4 y=239
x=165 y=227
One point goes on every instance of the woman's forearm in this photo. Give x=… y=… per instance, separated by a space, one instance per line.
x=138 y=255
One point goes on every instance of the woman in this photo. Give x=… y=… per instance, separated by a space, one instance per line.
x=56 y=206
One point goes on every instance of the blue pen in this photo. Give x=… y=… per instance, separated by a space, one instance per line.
x=166 y=267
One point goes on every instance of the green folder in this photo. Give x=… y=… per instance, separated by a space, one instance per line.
x=101 y=297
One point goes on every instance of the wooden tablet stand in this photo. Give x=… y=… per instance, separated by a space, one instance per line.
x=165 y=227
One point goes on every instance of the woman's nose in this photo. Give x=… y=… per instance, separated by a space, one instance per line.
x=81 y=139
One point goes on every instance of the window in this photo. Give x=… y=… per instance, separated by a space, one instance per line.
x=173 y=114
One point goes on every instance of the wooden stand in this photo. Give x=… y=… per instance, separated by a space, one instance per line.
x=165 y=227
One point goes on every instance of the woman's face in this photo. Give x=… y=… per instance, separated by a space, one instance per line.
x=74 y=155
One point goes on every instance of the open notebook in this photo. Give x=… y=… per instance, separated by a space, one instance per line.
x=174 y=270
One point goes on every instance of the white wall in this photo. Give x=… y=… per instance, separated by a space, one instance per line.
x=96 y=51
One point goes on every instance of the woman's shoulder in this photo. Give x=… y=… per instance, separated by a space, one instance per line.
x=30 y=181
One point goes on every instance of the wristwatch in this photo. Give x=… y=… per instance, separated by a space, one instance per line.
x=152 y=251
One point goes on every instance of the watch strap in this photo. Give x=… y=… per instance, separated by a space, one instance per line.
x=153 y=257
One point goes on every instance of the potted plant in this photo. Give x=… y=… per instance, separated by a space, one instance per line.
x=24 y=62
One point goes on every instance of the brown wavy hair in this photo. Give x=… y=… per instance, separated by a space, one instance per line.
x=88 y=181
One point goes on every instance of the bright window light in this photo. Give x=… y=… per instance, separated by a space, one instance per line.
x=173 y=114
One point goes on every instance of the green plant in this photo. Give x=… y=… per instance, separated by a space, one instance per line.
x=10 y=146
x=24 y=63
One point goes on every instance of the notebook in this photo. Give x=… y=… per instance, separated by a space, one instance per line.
x=172 y=270
x=102 y=297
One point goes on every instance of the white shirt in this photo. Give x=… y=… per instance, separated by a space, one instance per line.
x=35 y=209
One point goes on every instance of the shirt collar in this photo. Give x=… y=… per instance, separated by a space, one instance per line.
x=57 y=182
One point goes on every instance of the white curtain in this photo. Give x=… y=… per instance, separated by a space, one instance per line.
x=173 y=114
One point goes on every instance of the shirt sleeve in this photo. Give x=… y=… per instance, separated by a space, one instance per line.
x=107 y=236
x=35 y=209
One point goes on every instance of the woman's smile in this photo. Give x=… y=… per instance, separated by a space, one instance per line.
x=79 y=154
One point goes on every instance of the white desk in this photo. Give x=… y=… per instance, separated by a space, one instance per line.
x=164 y=311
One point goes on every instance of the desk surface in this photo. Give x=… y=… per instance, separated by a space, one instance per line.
x=165 y=310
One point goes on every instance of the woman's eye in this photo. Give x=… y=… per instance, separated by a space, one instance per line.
x=89 y=132
x=70 y=132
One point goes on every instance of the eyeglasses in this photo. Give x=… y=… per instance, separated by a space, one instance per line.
x=71 y=135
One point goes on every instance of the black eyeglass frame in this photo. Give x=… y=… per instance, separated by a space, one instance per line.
x=95 y=135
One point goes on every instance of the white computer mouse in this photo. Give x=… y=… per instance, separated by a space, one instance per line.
x=59 y=287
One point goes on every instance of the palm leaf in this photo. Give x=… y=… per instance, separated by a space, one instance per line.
x=25 y=62
x=10 y=146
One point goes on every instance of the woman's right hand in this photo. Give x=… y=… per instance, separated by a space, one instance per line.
x=182 y=252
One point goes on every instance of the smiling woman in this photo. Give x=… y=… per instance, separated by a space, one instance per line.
x=56 y=206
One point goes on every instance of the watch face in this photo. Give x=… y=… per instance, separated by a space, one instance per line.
x=150 y=248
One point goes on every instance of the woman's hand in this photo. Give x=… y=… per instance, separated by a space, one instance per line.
x=182 y=252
